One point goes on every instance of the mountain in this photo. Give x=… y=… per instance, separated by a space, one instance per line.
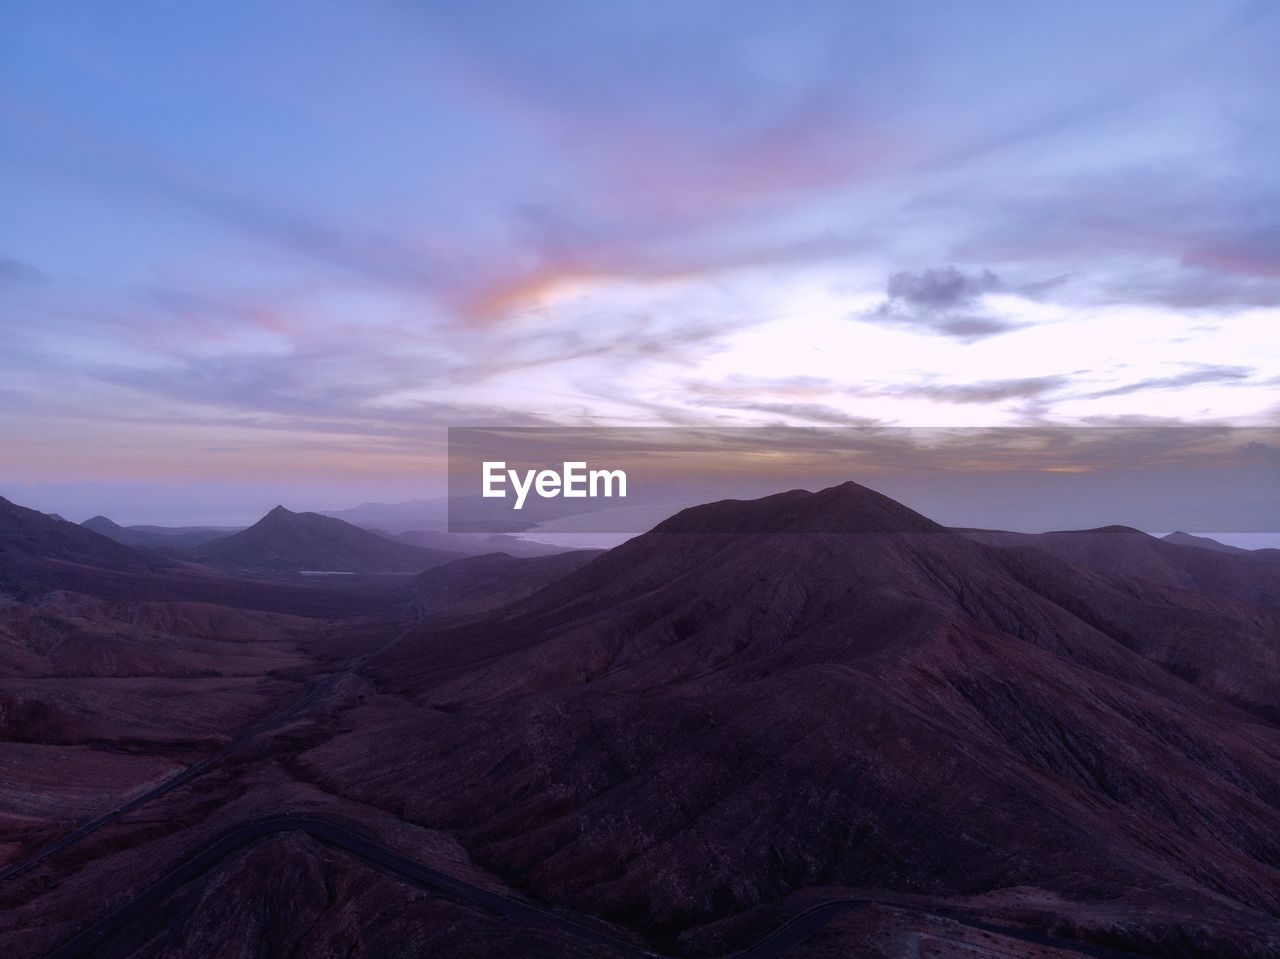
x=414 y=514
x=1204 y=542
x=40 y=555
x=31 y=541
x=1180 y=538
x=108 y=528
x=286 y=541
x=158 y=537
x=761 y=704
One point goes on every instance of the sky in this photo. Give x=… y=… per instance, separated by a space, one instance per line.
x=253 y=253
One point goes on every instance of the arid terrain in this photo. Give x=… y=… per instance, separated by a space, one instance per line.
x=811 y=725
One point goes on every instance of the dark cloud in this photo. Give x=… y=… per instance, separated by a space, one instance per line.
x=941 y=289
x=939 y=301
x=969 y=328
x=990 y=391
x=18 y=271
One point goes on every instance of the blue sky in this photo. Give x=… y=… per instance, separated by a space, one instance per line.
x=277 y=247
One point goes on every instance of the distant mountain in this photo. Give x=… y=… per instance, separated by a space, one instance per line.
x=814 y=694
x=1203 y=542
x=159 y=537
x=414 y=514
x=40 y=555
x=105 y=527
x=284 y=541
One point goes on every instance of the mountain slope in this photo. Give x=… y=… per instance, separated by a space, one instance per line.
x=287 y=541
x=829 y=690
x=37 y=549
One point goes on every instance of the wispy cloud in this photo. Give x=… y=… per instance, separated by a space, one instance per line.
x=1192 y=377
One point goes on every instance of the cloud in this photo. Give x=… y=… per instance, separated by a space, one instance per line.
x=809 y=412
x=14 y=271
x=381 y=258
x=941 y=289
x=1191 y=286
x=970 y=328
x=938 y=301
x=991 y=391
x=1261 y=450
x=1193 y=377
x=829 y=403
x=1176 y=234
x=1253 y=250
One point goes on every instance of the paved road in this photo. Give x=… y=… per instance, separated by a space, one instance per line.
x=776 y=944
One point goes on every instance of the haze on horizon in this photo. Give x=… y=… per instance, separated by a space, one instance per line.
x=250 y=256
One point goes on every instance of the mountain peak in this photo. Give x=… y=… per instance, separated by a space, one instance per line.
x=846 y=508
x=285 y=540
x=279 y=516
